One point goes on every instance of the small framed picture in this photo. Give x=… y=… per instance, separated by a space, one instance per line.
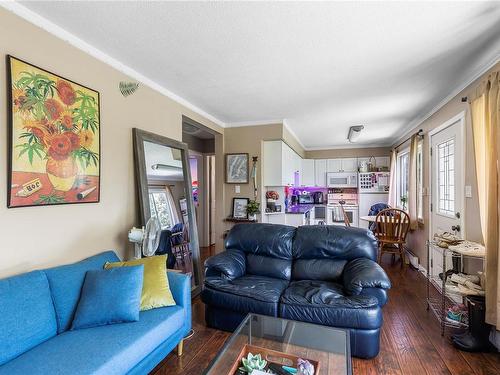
x=240 y=208
x=237 y=166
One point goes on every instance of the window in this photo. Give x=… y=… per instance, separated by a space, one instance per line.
x=402 y=178
x=446 y=177
x=160 y=207
x=420 y=182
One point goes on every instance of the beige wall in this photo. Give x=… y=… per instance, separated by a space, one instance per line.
x=416 y=240
x=44 y=236
x=348 y=153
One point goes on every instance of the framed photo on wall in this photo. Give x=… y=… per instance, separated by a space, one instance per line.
x=240 y=208
x=54 y=138
x=237 y=166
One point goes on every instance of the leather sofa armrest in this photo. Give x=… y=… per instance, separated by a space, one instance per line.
x=229 y=264
x=364 y=273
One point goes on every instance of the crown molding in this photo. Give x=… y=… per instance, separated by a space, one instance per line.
x=253 y=123
x=349 y=146
x=461 y=87
x=75 y=41
x=285 y=125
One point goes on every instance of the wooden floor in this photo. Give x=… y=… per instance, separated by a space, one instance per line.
x=410 y=341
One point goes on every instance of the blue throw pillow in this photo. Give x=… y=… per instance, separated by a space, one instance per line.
x=109 y=296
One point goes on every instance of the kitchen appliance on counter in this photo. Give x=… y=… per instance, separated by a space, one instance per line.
x=318 y=197
x=342 y=179
x=348 y=198
x=373 y=189
x=305 y=199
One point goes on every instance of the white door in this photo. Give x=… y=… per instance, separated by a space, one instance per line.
x=447 y=178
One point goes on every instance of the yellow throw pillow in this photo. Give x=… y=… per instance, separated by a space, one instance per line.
x=155 y=289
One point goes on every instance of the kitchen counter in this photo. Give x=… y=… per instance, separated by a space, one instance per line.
x=301 y=209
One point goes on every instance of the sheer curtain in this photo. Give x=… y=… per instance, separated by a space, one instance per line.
x=392 y=200
x=174 y=215
x=485 y=113
x=412 y=188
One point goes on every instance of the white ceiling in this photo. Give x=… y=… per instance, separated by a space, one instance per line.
x=321 y=67
x=167 y=157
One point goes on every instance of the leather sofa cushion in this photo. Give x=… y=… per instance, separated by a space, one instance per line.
x=269 y=240
x=250 y=293
x=334 y=242
x=270 y=267
x=318 y=269
x=325 y=303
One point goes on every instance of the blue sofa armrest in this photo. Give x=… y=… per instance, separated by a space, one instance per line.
x=180 y=286
x=364 y=273
x=229 y=264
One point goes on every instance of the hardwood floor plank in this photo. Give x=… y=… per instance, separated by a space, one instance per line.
x=410 y=340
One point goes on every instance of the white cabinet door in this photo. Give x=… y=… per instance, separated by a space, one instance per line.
x=294 y=219
x=307 y=176
x=273 y=163
x=383 y=161
x=350 y=165
x=334 y=165
x=276 y=219
x=320 y=172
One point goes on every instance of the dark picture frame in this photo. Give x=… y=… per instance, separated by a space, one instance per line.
x=32 y=186
x=237 y=168
x=239 y=208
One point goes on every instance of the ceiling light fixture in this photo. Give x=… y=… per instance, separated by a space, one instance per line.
x=354 y=133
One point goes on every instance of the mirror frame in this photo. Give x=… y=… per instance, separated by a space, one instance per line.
x=139 y=137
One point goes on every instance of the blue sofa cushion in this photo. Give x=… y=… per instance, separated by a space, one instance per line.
x=105 y=350
x=27 y=316
x=66 y=284
x=109 y=297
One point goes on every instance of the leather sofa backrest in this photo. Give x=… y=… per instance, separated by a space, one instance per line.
x=320 y=252
x=268 y=248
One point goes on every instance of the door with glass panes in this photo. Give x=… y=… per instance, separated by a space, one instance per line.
x=447 y=178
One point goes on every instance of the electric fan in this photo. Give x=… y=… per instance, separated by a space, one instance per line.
x=146 y=240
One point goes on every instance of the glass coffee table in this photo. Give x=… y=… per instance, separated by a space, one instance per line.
x=282 y=341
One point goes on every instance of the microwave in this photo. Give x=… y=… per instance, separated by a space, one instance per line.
x=342 y=180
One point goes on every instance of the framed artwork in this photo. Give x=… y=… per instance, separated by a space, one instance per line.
x=54 y=138
x=240 y=208
x=237 y=166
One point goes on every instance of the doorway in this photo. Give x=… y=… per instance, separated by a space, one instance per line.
x=447 y=177
x=201 y=145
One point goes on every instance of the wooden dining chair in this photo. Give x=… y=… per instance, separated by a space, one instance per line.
x=391 y=227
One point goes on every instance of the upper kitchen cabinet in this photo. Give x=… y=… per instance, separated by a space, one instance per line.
x=342 y=165
x=307 y=175
x=320 y=172
x=280 y=164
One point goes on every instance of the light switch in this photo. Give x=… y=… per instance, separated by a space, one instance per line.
x=468 y=191
x=237 y=189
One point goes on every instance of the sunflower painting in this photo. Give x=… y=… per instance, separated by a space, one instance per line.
x=54 y=139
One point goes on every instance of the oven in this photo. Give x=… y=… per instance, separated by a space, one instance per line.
x=335 y=216
x=342 y=180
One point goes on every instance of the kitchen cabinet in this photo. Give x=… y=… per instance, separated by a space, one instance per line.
x=342 y=165
x=307 y=173
x=295 y=220
x=320 y=169
x=280 y=163
x=276 y=218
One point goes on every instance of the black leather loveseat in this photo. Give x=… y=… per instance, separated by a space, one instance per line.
x=320 y=274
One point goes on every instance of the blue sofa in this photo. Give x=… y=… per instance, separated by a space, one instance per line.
x=36 y=311
x=315 y=273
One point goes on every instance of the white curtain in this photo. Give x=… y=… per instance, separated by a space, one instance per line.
x=174 y=215
x=393 y=201
x=412 y=188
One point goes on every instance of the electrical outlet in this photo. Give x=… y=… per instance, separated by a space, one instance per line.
x=237 y=189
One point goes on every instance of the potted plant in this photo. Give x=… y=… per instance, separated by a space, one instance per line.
x=404 y=200
x=252 y=209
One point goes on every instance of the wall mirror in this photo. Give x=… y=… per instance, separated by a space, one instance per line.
x=166 y=193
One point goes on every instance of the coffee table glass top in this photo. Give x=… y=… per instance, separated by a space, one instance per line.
x=328 y=346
